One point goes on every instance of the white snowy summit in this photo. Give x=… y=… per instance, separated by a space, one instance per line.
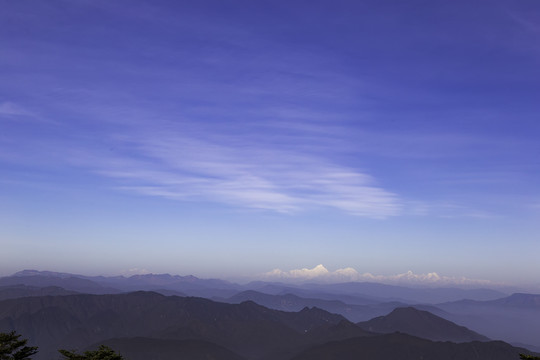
x=321 y=274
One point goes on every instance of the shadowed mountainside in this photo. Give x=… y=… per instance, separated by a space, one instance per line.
x=200 y=327
x=407 y=347
x=140 y=348
x=76 y=321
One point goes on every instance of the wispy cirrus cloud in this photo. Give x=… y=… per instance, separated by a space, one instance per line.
x=238 y=173
x=280 y=159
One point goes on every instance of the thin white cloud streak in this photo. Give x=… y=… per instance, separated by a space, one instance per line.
x=295 y=168
x=10 y=109
x=240 y=174
x=320 y=273
x=448 y=210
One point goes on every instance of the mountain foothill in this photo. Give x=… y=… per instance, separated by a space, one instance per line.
x=171 y=317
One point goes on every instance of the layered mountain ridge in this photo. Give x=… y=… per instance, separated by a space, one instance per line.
x=197 y=326
x=243 y=323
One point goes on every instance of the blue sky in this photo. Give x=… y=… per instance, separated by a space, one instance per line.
x=227 y=139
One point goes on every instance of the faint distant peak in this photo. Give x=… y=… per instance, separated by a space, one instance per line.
x=520 y=300
x=30 y=272
x=409 y=313
x=423 y=324
x=163 y=278
x=408 y=310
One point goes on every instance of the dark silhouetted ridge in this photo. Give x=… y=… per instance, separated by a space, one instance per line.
x=406 y=347
x=78 y=321
x=140 y=348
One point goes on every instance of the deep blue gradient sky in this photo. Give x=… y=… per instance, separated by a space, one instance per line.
x=229 y=138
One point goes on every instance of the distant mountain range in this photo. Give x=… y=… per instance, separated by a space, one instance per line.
x=71 y=283
x=18 y=291
x=190 y=285
x=360 y=293
x=515 y=318
x=405 y=294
